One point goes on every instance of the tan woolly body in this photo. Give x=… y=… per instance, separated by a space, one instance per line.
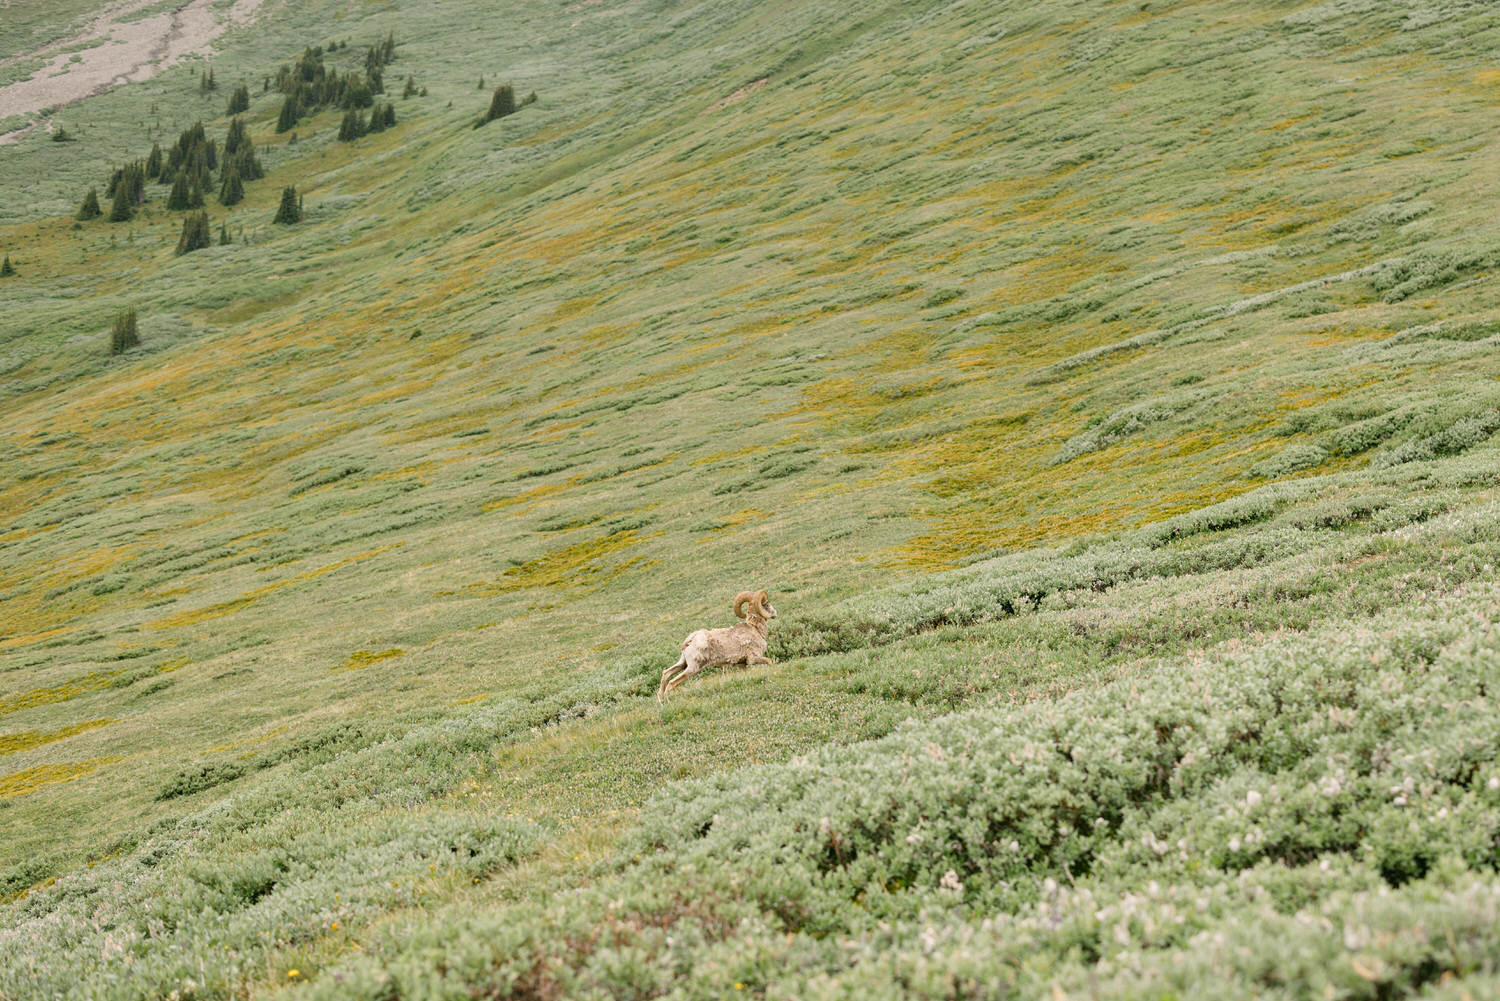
x=741 y=644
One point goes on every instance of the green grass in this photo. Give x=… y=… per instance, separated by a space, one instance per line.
x=1029 y=355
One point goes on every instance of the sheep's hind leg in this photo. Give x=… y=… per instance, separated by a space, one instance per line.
x=679 y=680
x=666 y=676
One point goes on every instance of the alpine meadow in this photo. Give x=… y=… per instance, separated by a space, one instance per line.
x=1103 y=395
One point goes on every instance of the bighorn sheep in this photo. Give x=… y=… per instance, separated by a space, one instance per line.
x=741 y=644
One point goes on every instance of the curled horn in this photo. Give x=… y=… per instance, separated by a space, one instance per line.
x=741 y=598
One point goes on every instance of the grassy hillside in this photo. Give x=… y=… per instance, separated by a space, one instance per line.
x=1104 y=392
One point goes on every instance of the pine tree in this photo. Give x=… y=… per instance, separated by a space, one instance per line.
x=501 y=104
x=6 y=270
x=195 y=233
x=123 y=207
x=153 y=162
x=353 y=125
x=195 y=193
x=133 y=180
x=239 y=101
x=179 y=199
x=290 y=210
x=124 y=335
x=223 y=234
x=232 y=191
x=287 y=120
x=411 y=88
x=481 y=81
x=237 y=137
x=89 y=208
x=390 y=115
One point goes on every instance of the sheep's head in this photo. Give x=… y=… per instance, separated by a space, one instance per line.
x=759 y=603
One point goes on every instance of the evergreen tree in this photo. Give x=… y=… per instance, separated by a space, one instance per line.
x=501 y=104
x=89 y=208
x=411 y=87
x=246 y=164
x=195 y=233
x=123 y=207
x=237 y=138
x=239 y=101
x=180 y=198
x=290 y=210
x=287 y=120
x=353 y=125
x=223 y=234
x=124 y=335
x=232 y=191
x=153 y=162
x=6 y=270
x=133 y=180
x=390 y=116
x=195 y=194
x=481 y=81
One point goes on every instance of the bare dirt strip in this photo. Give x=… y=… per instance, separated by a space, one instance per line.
x=117 y=52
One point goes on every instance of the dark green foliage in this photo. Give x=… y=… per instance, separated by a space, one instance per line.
x=390 y=116
x=287 y=120
x=353 y=126
x=89 y=207
x=195 y=194
x=199 y=778
x=223 y=234
x=290 y=209
x=239 y=101
x=123 y=207
x=232 y=191
x=481 y=82
x=503 y=103
x=6 y=269
x=247 y=164
x=154 y=162
x=62 y=135
x=410 y=89
x=195 y=233
x=124 y=335
x=206 y=82
x=179 y=198
x=237 y=138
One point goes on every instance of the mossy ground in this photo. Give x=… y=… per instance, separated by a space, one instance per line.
x=515 y=408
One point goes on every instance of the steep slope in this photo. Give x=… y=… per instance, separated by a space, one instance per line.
x=376 y=545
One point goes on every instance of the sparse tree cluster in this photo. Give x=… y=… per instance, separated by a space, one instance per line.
x=310 y=85
x=355 y=125
x=188 y=166
x=7 y=270
x=206 y=81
